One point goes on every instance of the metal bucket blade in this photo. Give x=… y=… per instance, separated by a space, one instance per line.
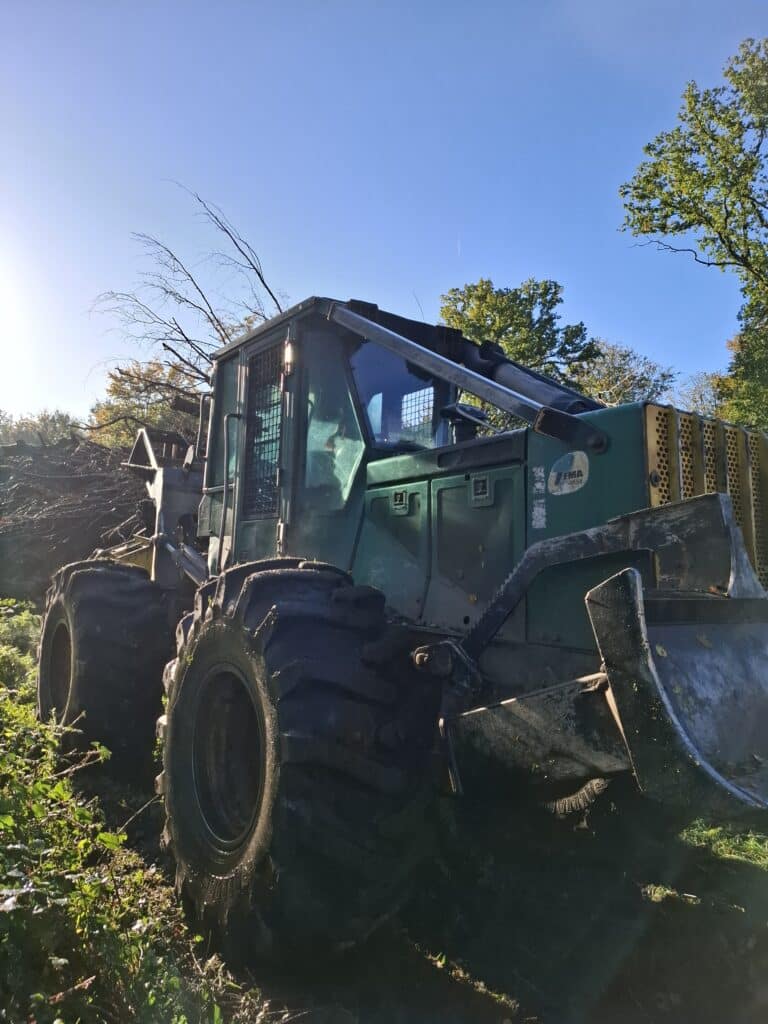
x=689 y=678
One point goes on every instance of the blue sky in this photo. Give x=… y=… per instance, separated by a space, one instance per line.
x=378 y=151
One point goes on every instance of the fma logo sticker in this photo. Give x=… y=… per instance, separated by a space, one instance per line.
x=569 y=473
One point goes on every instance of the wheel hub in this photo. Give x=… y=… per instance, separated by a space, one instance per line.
x=228 y=757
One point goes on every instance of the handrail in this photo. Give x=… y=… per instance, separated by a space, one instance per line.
x=222 y=525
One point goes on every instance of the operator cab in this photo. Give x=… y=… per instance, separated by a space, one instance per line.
x=336 y=431
x=300 y=408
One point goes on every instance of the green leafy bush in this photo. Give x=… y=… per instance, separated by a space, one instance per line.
x=88 y=930
x=19 y=626
x=17 y=670
x=19 y=633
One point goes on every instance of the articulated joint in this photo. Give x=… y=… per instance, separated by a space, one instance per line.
x=449 y=661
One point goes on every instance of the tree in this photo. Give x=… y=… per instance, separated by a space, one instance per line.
x=525 y=321
x=176 y=313
x=619 y=374
x=705 y=394
x=6 y=427
x=46 y=427
x=743 y=391
x=142 y=394
x=706 y=180
x=705 y=183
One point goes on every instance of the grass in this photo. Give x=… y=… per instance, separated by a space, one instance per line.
x=726 y=843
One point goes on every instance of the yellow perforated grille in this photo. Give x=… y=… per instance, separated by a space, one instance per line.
x=733 y=473
x=663 y=456
x=686 y=434
x=709 y=436
x=690 y=455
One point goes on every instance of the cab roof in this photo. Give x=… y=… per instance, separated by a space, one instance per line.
x=445 y=340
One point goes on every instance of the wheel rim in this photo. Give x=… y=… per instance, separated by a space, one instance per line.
x=228 y=757
x=60 y=668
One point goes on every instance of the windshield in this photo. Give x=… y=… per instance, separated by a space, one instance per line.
x=401 y=402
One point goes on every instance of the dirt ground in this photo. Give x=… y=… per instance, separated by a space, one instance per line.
x=525 y=918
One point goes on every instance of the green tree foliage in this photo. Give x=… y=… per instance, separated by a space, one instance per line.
x=141 y=395
x=704 y=190
x=619 y=375
x=525 y=321
x=45 y=427
x=743 y=392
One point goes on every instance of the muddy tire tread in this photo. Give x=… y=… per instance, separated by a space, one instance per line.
x=352 y=816
x=120 y=630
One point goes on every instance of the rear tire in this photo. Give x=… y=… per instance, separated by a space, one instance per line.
x=299 y=776
x=104 y=641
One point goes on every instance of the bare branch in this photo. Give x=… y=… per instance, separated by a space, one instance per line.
x=175 y=311
x=200 y=374
x=251 y=260
x=194 y=345
x=666 y=247
x=135 y=313
x=123 y=418
x=173 y=264
x=149 y=384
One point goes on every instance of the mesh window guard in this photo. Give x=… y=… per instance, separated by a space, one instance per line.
x=416 y=414
x=262 y=438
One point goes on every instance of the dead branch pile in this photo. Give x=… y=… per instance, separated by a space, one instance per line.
x=57 y=504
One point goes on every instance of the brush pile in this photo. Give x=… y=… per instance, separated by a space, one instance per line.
x=59 y=502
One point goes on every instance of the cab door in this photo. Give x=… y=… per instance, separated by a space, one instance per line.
x=329 y=474
x=260 y=478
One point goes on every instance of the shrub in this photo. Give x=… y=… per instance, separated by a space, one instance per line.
x=88 y=930
x=19 y=626
x=17 y=670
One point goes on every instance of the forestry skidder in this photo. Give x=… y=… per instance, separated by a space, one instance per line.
x=367 y=594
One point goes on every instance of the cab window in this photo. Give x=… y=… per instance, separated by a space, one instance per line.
x=401 y=402
x=334 y=441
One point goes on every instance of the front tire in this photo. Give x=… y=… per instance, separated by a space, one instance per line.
x=298 y=774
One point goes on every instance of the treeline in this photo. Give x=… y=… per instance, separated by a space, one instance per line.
x=524 y=320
